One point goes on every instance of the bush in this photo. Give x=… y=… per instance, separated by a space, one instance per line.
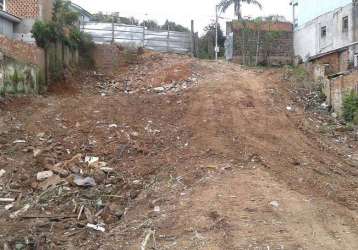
x=350 y=107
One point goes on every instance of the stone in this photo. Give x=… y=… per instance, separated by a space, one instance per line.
x=2 y=173
x=84 y=181
x=41 y=176
x=275 y=204
x=159 y=89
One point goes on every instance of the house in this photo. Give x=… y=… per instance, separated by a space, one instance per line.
x=28 y=11
x=327 y=33
x=8 y=23
x=24 y=13
x=85 y=16
x=326 y=39
x=260 y=42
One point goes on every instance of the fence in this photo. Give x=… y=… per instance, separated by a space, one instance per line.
x=139 y=36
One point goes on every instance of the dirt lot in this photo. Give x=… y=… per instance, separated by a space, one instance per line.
x=191 y=155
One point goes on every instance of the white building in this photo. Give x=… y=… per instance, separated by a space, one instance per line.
x=323 y=28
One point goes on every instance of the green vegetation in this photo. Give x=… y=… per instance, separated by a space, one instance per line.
x=350 y=107
x=114 y=17
x=150 y=24
x=207 y=42
x=62 y=31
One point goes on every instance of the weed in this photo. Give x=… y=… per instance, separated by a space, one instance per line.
x=350 y=107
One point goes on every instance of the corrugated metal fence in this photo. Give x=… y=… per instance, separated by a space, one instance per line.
x=139 y=36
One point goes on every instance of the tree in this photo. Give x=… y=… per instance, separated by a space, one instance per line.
x=207 y=42
x=150 y=24
x=225 y=4
x=62 y=30
x=174 y=26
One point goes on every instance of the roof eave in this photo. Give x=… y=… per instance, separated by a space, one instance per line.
x=10 y=17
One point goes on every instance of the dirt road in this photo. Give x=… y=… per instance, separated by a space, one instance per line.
x=216 y=162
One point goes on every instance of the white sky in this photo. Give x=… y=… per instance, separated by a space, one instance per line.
x=182 y=11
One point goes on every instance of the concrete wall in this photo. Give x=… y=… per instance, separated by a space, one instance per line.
x=21 y=67
x=308 y=41
x=336 y=89
x=19 y=78
x=6 y=28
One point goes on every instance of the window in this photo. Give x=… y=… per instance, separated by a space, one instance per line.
x=345 y=23
x=324 y=32
x=2 y=4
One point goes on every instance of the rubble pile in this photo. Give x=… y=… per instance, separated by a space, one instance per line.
x=157 y=73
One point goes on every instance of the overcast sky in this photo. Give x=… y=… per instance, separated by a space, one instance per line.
x=181 y=11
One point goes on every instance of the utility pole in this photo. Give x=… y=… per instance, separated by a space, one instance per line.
x=216 y=32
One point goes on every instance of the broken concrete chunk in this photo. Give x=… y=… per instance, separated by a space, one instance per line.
x=41 y=176
x=2 y=173
x=106 y=169
x=113 y=126
x=19 y=212
x=9 y=206
x=19 y=141
x=90 y=160
x=275 y=204
x=159 y=89
x=37 y=152
x=84 y=182
x=99 y=227
x=7 y=199
x=40 y=135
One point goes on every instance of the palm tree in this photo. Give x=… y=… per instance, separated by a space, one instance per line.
x=225 y=4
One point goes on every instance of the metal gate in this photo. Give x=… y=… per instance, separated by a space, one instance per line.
x=139 y=36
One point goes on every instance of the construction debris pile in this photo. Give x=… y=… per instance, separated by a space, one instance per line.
x=161 y=74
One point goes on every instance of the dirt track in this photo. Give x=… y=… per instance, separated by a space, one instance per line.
x=220 y=165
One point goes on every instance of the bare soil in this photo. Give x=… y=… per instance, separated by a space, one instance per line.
x=218 y=163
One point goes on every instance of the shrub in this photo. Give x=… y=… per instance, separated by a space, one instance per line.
x=350 y=107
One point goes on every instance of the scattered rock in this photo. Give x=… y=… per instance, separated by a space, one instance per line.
x=19 y=141
x=275 y=204
x=107 y=169
x=84 y=182
x=20 y=212
x=37 y=152
x=41 y=176
x=99 y=227
x=2 y=173
x=113 y=126
x=90 y=160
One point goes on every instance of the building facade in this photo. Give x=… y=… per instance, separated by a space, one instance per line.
x=22 y=14
x=331 y=37
x=307 y=10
